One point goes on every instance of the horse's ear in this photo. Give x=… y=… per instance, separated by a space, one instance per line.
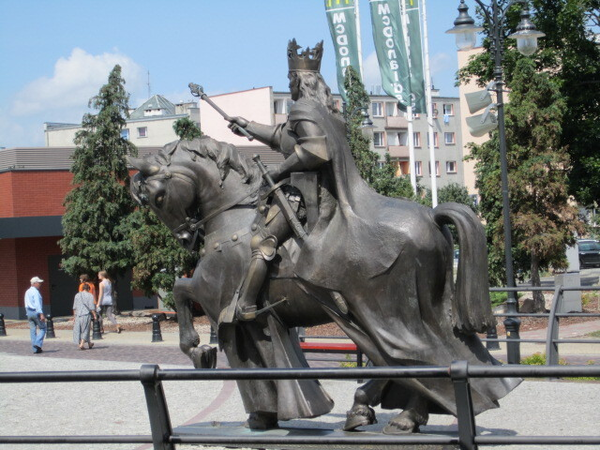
x=143 y=165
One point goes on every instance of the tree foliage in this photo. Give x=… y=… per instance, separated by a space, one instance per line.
x=186 y=129
x=95 y=220
x=543 y=219
x=382 y=177
x=159 y=259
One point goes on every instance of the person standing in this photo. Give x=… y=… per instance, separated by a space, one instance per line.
x=35 y=314
x=83 y=311
x=105 y=298
x=83 y=280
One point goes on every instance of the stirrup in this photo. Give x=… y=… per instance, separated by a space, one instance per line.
x=246 y=313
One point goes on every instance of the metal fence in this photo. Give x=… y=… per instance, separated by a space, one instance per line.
x=164 y=437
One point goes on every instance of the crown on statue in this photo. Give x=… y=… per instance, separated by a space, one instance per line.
x=309 y=59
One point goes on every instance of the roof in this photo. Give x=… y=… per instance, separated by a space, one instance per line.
x=156 y=103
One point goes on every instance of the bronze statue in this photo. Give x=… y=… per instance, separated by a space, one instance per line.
x=381 y=268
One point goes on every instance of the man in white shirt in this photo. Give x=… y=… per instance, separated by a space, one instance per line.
x=35 y=314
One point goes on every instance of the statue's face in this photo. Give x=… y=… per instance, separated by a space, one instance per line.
x=294 y=85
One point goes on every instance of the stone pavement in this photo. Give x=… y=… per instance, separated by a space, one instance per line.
x=534 y=408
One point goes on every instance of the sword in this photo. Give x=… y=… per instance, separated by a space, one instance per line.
x=283 y=203
x=198 y=91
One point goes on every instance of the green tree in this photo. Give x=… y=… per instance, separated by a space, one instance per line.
x=159 y=259
x=569 y=52
x=382 y=177
x=543 y=219
x=95 y=221
x=186 y=129
x=454 y=192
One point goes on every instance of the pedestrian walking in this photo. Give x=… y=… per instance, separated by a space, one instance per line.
x=35 y=314
x=84 y=278
x=83 y=311
x=105 y=297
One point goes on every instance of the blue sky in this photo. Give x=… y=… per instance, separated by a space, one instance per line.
x=56 y=54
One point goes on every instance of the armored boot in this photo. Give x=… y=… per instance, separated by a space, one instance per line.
x=263 y=250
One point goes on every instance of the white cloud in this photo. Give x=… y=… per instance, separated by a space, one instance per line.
x=76 y=79
x=371 y=73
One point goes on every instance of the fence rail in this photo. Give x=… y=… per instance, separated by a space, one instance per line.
x=163 y=436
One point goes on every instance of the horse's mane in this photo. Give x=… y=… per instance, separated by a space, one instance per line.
x=226 y=156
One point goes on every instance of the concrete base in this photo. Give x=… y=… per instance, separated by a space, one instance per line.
x=235 y=435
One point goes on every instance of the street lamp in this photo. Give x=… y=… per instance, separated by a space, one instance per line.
x=366 y=125
x=526 y=36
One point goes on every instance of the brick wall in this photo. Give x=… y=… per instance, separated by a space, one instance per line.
x=6 y=199
x=9 y=291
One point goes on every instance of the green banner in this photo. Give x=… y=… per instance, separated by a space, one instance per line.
x=401 y=76
x=341 y=16
x=415 y=49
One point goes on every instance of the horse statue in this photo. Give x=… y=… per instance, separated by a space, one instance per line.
x=408 y=313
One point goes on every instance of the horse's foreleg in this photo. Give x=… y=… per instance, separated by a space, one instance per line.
x=361 y=413
x=189 y=340
x=414 y=415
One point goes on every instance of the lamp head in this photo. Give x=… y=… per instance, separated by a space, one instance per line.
x=464 y=28
x=526 y=35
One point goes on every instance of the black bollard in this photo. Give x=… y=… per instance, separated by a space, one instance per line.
x=513 y=349
x=97 y=334
x=492 y=334
x=213 y=336
x=2 y=325
x=49 y=327
x=156 y=334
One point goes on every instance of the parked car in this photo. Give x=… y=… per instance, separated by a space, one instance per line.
x=589 y=253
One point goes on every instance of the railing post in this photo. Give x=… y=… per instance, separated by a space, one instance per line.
x=2 y=325
x=213 y=336
x=459 y=374
x=492 y=334
x=552 y=336
x=158 y=412
x=97 y=334
x=156 y=334
x=49 y=327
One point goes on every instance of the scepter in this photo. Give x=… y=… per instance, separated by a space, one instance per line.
x=198 y=91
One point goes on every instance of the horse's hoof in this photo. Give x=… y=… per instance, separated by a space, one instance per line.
x=261 y=421
x=407 y=422
x=204 y=357
x=359 y=416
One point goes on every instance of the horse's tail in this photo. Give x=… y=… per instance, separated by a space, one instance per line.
x=471 y=306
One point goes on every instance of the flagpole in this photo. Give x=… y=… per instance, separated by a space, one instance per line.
x=409 y=109
x=434 y=197
x=358 y=41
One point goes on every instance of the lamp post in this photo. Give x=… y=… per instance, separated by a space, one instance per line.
x=526 y=36
x=366 y=125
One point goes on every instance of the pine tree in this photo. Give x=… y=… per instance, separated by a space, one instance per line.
x=97 y=209
x=186 y=129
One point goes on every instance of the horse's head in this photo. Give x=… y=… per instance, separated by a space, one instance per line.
x=170 y=192
x=187 y=183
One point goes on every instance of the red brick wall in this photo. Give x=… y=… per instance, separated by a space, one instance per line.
x=6 y=199
x=9 y=284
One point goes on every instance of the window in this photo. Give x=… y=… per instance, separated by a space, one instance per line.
x=437 y=168
x=378 y=139
x=450 y=166
x=436 y=142
x=419 y=168
x=449 y=138
x=397 y=138
x=391 y=109
x=417 y=139
x=448 y=109
x=434 y=109
x=377 y=108
x=125 y=133
x=280 y=106
x=142 y=132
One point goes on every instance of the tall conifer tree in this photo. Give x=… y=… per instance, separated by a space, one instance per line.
x=97 y=209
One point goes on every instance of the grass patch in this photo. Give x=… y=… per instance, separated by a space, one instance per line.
x=594 y=334
x=349 y=363
x=539 y=359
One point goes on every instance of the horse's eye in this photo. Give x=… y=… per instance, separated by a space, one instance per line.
x=159 y=200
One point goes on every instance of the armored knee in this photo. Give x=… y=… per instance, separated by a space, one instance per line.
x=264 y=247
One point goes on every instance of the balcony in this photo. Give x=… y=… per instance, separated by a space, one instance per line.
x=398 y=151
x=396 y=122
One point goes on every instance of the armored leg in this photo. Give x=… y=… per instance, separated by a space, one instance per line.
x=263 y=250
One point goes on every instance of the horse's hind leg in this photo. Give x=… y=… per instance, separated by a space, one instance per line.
x=414 y=415
x=204 y=356
x=361 y=414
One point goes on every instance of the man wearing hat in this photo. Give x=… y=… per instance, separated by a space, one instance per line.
x=35 y=314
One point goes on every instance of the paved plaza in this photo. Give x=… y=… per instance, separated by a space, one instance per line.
x=534 y=408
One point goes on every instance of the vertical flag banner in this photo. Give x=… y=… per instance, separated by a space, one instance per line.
x=341 y=16
x=390 y=48
x=415 y=57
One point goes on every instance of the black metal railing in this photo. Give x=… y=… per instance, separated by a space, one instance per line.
x=164 y=437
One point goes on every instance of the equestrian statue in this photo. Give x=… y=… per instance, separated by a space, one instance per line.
x=308 y=243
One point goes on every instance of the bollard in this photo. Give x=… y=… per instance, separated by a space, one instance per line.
x=97 y=334
x=492 y=334
x=49 y=327
x=513 y=349
x=213 y=336
x=156 y=334
x=2 y=325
